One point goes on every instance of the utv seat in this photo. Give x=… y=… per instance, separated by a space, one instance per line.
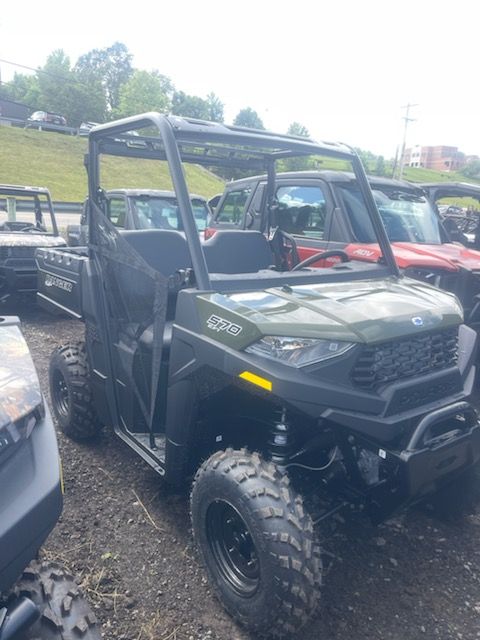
x=302 y=220
x=237 y=252
x=165 y=251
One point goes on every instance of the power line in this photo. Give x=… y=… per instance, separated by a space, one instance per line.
x=46 y=73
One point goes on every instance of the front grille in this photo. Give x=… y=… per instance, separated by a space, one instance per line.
x=381 y=364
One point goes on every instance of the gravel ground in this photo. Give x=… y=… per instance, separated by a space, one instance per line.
x=127 y=537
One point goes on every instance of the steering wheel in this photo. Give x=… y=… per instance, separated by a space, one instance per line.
x=344 y=257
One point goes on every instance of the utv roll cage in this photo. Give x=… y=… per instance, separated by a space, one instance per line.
x=14 y=191
x=216 y=145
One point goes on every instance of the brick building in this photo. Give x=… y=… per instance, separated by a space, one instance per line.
x=439 y=158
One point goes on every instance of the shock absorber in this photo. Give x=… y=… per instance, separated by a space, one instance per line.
x=281 y=439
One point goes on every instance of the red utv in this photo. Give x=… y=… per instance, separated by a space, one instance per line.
x=318 y=211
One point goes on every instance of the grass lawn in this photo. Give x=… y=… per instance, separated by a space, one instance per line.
x=55 y=161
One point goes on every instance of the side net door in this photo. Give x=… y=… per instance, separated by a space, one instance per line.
x=134 y=299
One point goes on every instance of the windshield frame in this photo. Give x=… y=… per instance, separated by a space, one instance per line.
x=358 y=222
x=428 y=215
x=42 y=204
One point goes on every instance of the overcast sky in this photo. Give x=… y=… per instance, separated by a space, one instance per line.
x=343 y=69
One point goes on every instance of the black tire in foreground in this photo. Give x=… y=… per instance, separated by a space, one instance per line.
x=65 y=613
x=257 y=542
x=71 y=393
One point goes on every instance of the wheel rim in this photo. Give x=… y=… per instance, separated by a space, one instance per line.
x=60 y=393
x=233 y=548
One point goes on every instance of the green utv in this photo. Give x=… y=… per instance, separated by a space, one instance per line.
x=283 y=393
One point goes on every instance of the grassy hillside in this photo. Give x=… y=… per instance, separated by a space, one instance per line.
x=56 y=161
x=52 y=160
x=427 y=175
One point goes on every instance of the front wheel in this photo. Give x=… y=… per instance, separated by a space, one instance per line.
x=71 y=393
x=257 y=542
x=64 y=612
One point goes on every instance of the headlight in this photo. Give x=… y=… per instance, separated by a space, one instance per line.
x=298 y=352
x=21 y=403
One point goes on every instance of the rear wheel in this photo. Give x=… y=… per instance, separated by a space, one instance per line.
x=71 y=393
x=257 y=542
x=64 y=611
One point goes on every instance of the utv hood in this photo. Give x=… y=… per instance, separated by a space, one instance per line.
x=364 y=311
x=448 y=256
x=11 y=239
x=454 y=256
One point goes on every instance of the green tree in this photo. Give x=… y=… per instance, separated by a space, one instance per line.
x=144 y=91
x=190 y=106
x=23 y=89
x=297 y=164
x=62 y=91
x=111 y=66
x=248 y=118
x=215 y=108
x=297 y=129
x=56 y=87
x=380 y=167
x=55 y=82
x=367 y=157
x=472 y=169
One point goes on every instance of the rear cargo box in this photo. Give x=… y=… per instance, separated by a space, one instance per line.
x=60 y=279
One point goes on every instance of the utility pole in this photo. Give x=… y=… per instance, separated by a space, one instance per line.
x=407 y=119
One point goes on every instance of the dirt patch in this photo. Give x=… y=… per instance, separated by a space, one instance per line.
x=127 y=536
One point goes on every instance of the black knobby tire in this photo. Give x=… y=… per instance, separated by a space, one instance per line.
x=257 y=542
x=71 y=393
x=65 y=613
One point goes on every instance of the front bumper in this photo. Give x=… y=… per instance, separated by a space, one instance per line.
x=30 y=500
x=18 y=279
x=429 y=460
x=445 y=444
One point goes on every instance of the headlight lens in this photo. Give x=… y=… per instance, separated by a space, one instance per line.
x=21 y=403
x=298 y=352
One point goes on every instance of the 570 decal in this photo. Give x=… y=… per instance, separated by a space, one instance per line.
x=216 y=323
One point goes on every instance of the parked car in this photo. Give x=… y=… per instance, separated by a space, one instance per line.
x=140 y=209
x=37 y=599
x=323 y=211
x=27 y=221
x=44 y=120
x=279 y=395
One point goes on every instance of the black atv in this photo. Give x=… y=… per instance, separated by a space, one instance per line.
x=37 y=599
x=269 y=386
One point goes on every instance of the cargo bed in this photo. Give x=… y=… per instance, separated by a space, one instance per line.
x=60 y=273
